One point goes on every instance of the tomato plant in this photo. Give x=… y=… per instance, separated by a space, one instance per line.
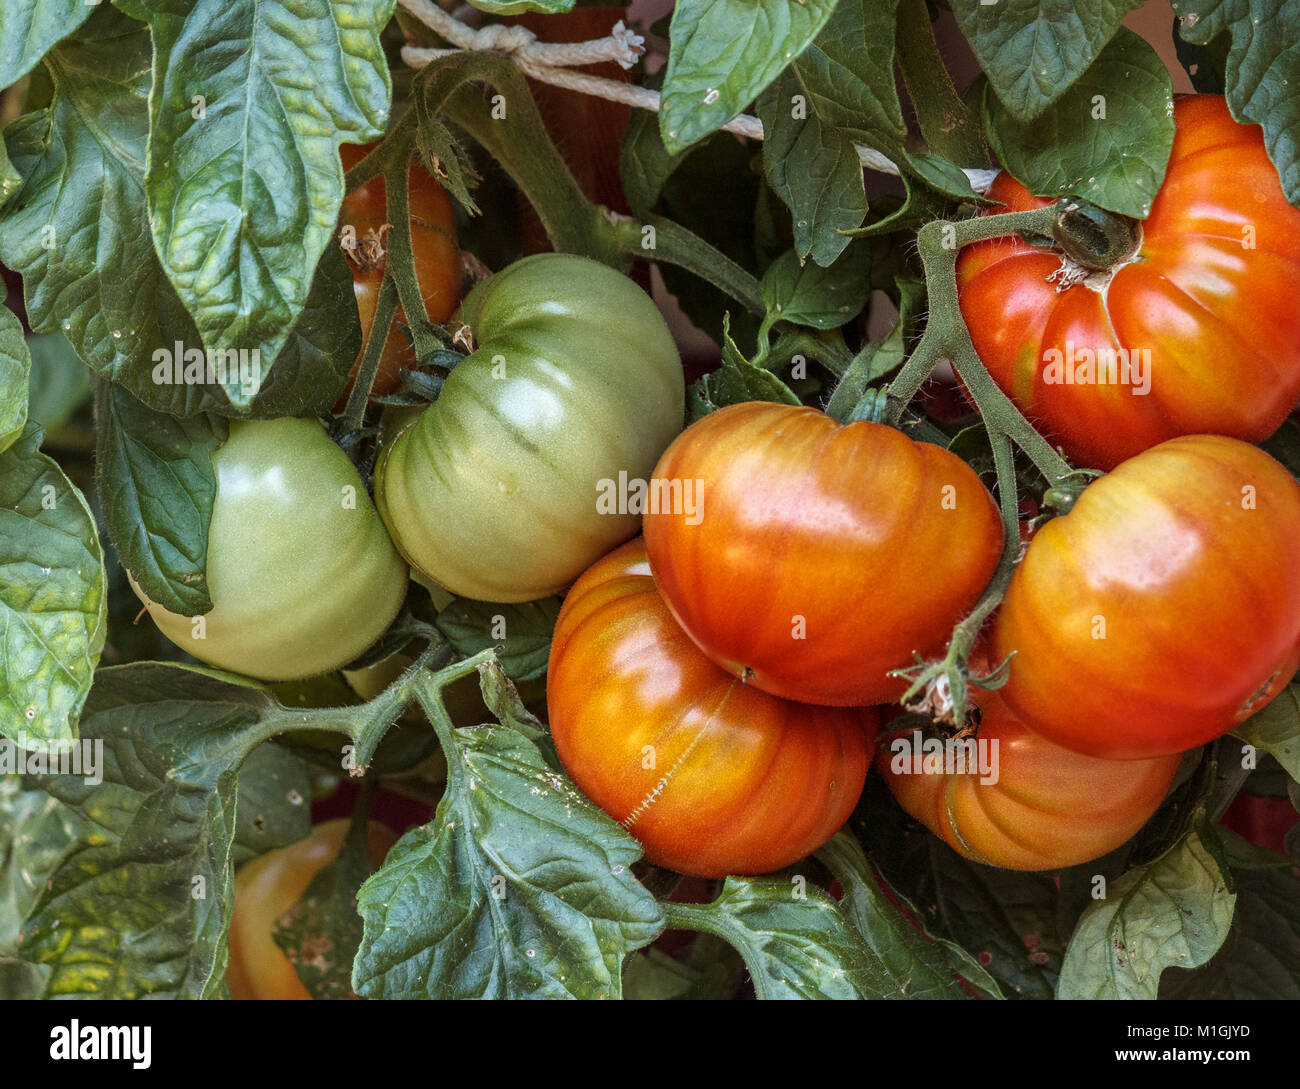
x=1018 y=801
x=1204 y=307
x=269 y=886
x=814 y=297
x=798 y=516
x=1164 y=608
x=302 y=575
x=494 y=491
x=363 y=227
x=710 y=775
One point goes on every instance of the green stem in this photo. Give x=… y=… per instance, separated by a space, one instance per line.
x=708 y=921
x=678 y=246
x=946 y=335
x=947 y=125
x=380 y=331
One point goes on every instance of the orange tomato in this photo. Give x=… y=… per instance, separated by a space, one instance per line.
x=433 y=245
x=264 y=890
x=1163 y=609
x=820 y=556
x=1208 y=304
x=1032 y=805
x=711 y=775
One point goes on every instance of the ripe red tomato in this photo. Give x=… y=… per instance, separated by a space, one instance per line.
x=821 y=556
x=1035 y=805
x=1210 y=295
x=1164 y=608
x=712 y=776
x=269 y=886
x=433 y=245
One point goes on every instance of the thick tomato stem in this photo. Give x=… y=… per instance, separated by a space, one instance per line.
x=947 y=338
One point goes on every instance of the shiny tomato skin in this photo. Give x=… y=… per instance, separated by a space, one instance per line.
x=712 y=776
x=493 y=491
x=1047 y=808
x=1164 y=608
x=302 y=576
x=265 y=889
x=437 y=262
x=1211 y=295
x=824 y=554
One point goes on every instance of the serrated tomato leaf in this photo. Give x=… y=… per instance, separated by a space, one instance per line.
x=141 y=905
x=1107 y=139
x=805 y=293
x=1033 y=51
x=794 y=939
x=532 y=883
x=735 y=381
x=1261 y=72
x=1172 y=912
x=917 y=965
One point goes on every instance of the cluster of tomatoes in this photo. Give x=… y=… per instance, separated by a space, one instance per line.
x=717 y=684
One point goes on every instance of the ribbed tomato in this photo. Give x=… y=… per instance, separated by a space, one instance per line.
x=712 y=776
x=819 y=556
x=1164 y=608
x=269 y=886
x=433 y=246
x=1030 y=804
x=1207 y=305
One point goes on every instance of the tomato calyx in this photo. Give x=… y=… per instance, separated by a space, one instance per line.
x=365 y=252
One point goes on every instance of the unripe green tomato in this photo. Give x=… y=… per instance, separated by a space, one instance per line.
x=492 y=492
x=301 y=573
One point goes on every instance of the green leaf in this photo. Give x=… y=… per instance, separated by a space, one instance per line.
x=724 y=53
x=52 y=597
x=805 y=293
x=652 y=975
x=1275 y=729
x=1205 y=64
x=36 y=832
x=321 y=931
x=917 y=965
x=1009 y=921
x=814 y=168
x=141 y=906
x=244 y=180
x=30 y=28
x=1117 y=161
x=59 y=383
x=521 y=633
x=1262 y=70
x=274 y=807
x=1172 y=912
x=444 y=157
x=793 y=937
x=1260 y=959
x=15 y=369
x=77 y=231
x=736 y=381
x=533 y=887
x=156 y=485
x=645 y=165
x=1034 y=50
